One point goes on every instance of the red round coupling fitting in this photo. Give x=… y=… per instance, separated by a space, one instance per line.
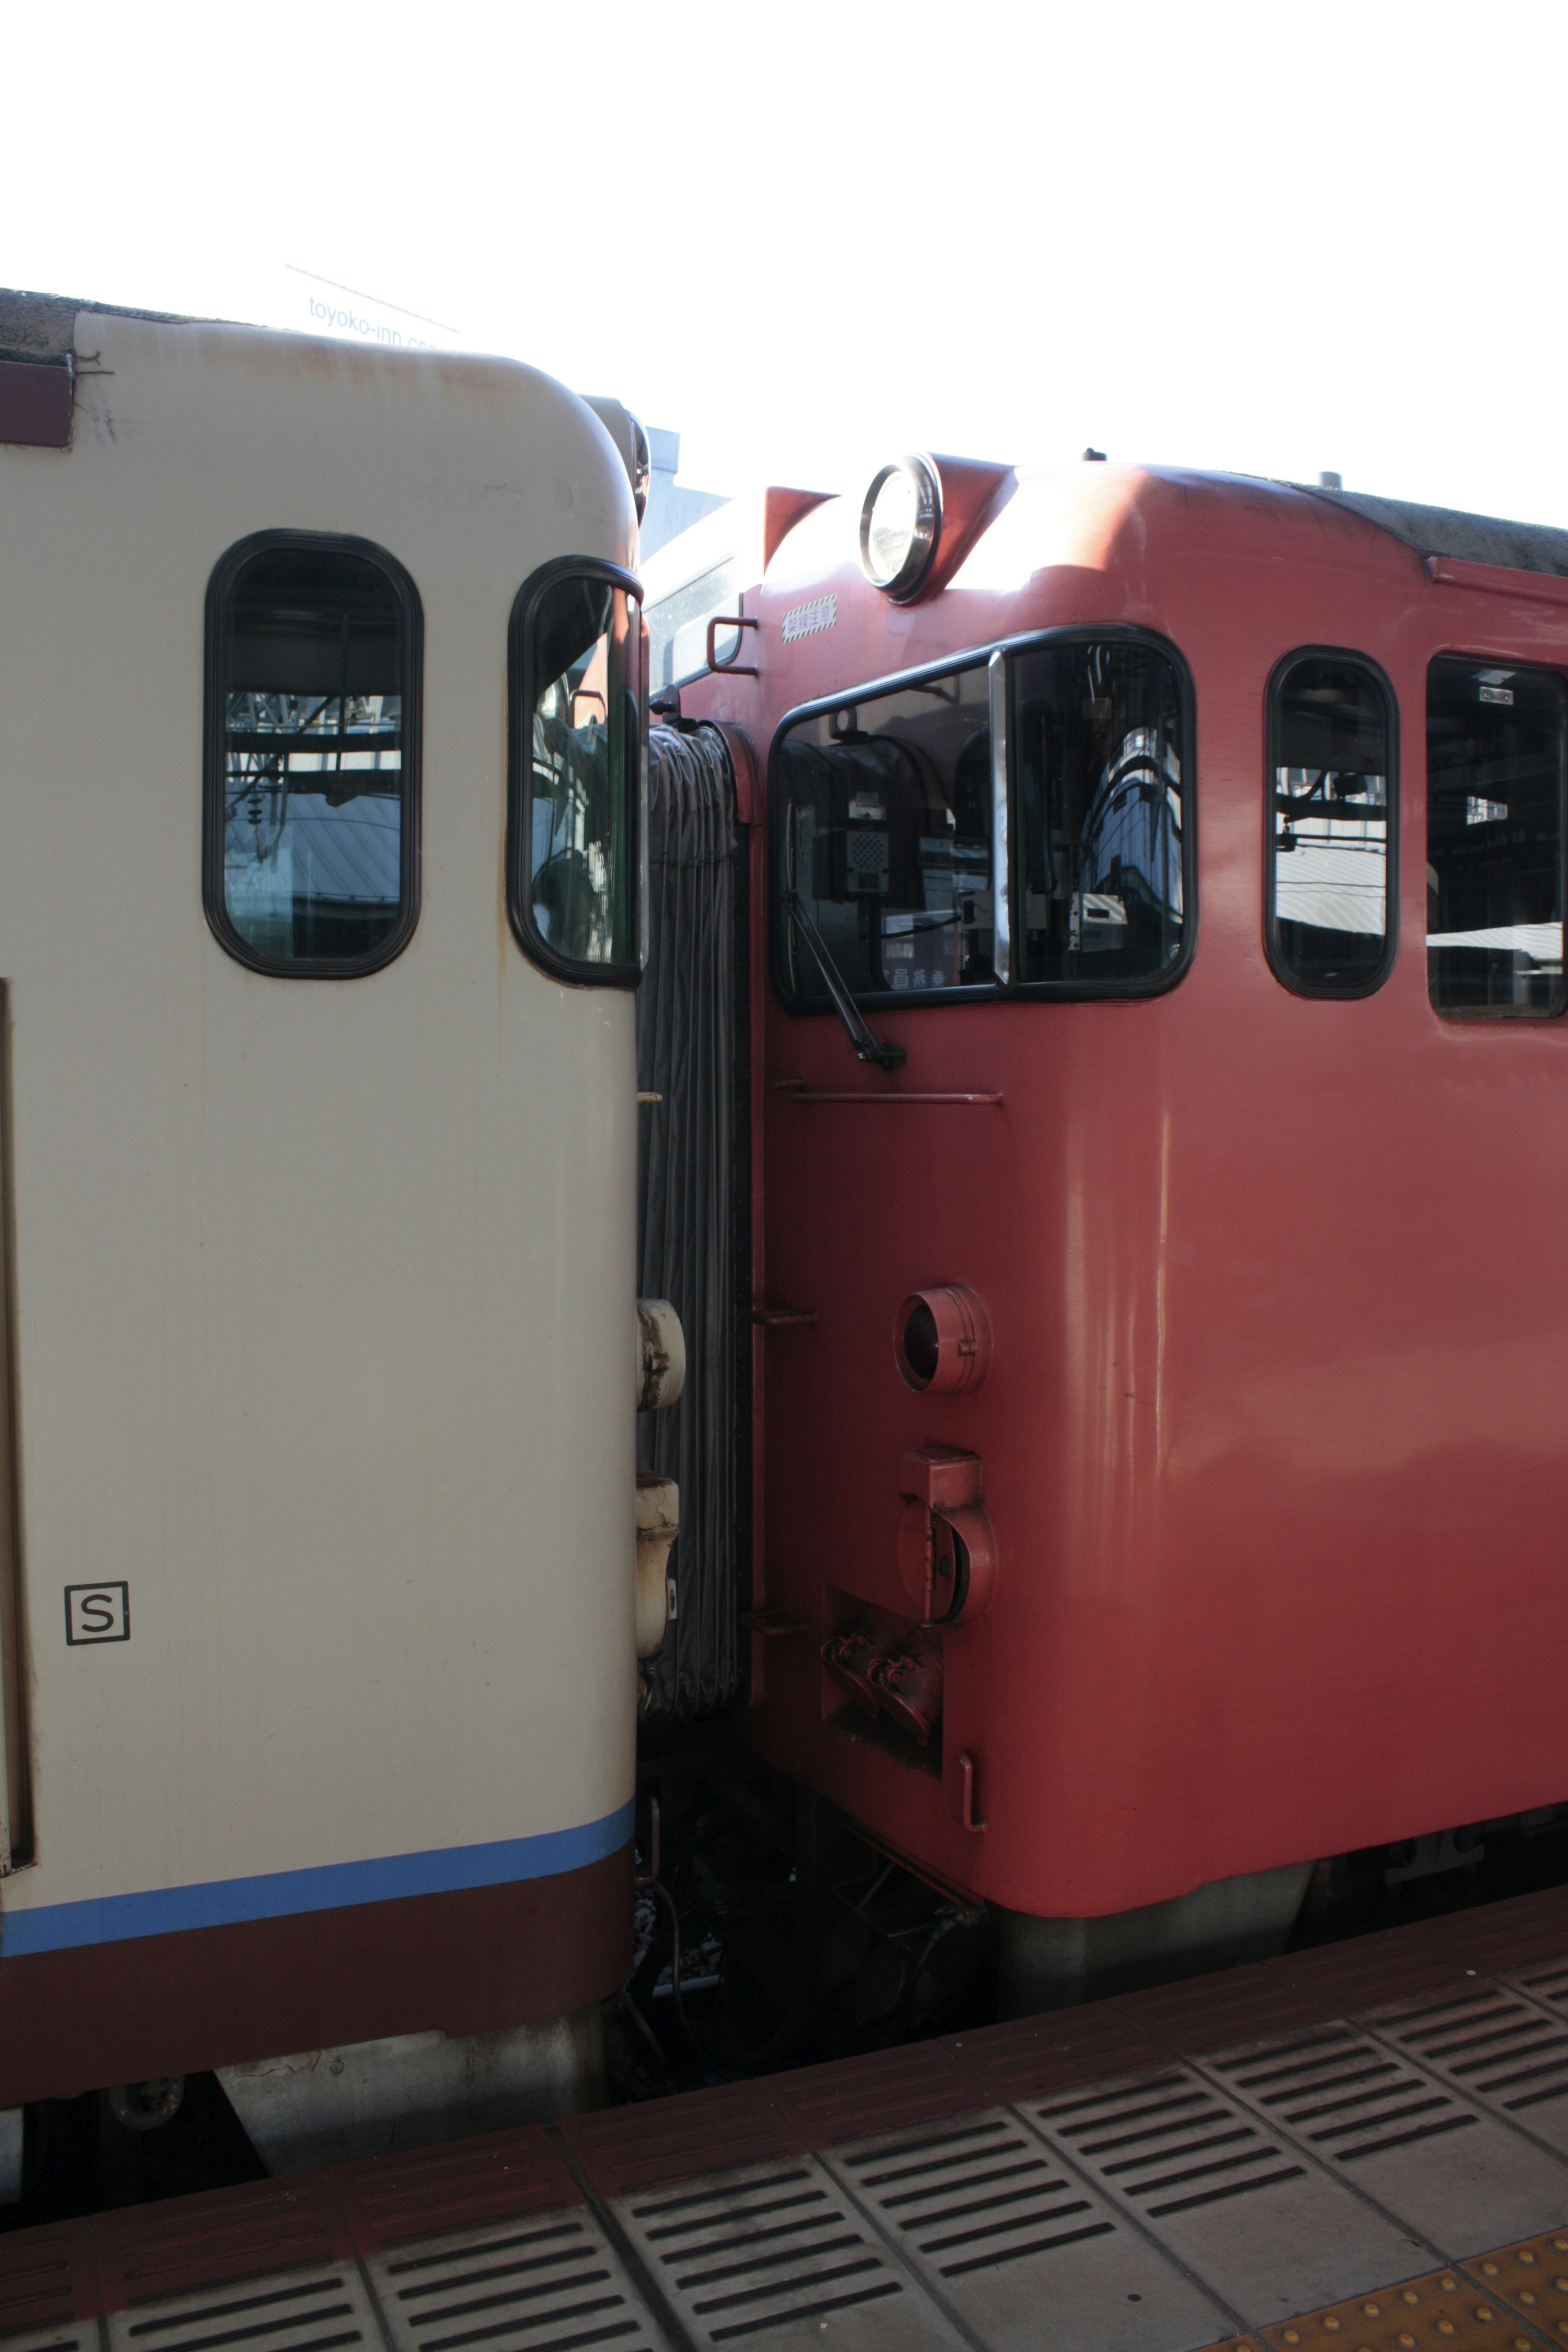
x=942 y=1340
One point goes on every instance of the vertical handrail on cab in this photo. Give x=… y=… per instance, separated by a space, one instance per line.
x=16 y=1805
x=1001 y=868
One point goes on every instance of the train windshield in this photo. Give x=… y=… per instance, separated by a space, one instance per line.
x=578 y=767
x=1099 y=800
x=887 y=843
x=1495 y=780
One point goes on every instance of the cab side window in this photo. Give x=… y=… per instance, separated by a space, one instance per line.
x=1495 y=789
x=1330 y=894
x=579 y=732
x=311 y=804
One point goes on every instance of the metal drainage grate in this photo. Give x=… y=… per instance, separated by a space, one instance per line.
x=1268 y=2232
x=1019 y=2245
x=1440 y=2164
x=551 y=2286
x=779 y=2249
x=1497 y=2047
x=325 y=2310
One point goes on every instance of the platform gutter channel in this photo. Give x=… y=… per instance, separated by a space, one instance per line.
x=1360 y=2146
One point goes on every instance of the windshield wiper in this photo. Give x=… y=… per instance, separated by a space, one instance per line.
x=887 y=1055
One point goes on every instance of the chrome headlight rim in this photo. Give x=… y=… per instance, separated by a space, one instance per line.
x=907 y=578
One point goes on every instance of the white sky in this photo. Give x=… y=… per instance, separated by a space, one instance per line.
x=1271 y=238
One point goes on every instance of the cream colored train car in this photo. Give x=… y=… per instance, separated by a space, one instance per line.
x=322 y=719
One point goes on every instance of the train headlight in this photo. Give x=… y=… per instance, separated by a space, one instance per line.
x=900 y=523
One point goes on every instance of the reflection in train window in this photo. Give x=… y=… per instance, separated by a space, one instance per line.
x=1101 y=816
x=311 y=846
x=886 y=849
x=1495 y=781
x=576 y=775
x=1329 y=896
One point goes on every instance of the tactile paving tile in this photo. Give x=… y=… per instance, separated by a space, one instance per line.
x=854 y=2098
x=147 y=2253
x=1018 y=2246
x=1531 y=2279
x=1440 y=2313
x=625 y=2149
x=433 y=2192
x=553 y=2280
x=48 y=2288
x=1261 y=2225
x=325 y=2310
x=1495 y=2046
x=1031 y=2057
x=1444 y=2167
x=778 y=2253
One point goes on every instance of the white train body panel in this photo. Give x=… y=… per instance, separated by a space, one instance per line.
x=322 y=1287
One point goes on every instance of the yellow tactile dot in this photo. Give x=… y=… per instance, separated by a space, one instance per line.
x=1525 y=2279
x=1419 y=2315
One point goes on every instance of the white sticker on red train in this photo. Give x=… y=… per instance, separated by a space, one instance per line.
x=806 y=620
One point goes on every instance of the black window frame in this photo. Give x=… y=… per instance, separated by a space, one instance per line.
x=520 y=777
x=1012 y=990
x=215 y=761
x=1369 y=985
x=1502 y=1016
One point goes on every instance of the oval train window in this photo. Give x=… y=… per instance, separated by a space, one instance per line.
x=578 y=699
x=1330 y=897
x=312 y=809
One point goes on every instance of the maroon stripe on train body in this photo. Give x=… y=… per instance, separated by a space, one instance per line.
x=469 y=1962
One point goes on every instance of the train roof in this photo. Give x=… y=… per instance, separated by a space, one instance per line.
x=1469 y=537
x=43 y=326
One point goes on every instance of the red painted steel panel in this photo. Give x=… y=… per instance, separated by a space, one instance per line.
x=1274 y=1444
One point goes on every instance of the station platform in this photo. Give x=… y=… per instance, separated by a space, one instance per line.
x=1363 y=2146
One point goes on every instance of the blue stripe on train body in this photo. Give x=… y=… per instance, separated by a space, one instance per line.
x=330 y=1886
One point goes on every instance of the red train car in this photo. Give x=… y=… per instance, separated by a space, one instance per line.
x=1162 y=1312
